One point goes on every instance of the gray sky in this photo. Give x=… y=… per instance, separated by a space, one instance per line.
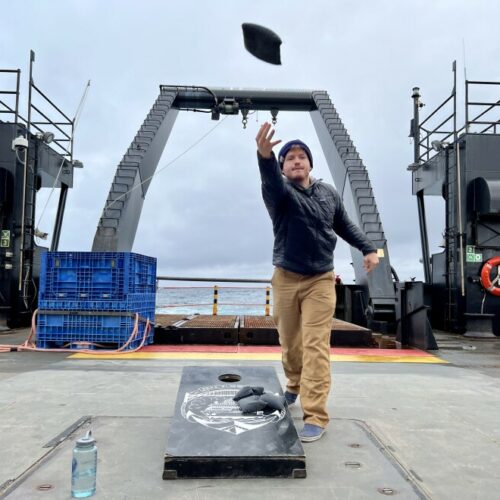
x=203 y=215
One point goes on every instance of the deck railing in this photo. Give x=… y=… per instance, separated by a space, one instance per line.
x=40 y=111
x=215 y=303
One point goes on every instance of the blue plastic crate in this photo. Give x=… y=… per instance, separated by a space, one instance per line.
x=142 y=303
x=95 y=275
x=59 y=329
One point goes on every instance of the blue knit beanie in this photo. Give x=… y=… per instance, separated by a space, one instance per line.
x=292 y=144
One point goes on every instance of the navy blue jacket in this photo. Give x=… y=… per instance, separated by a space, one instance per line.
x=306 y=221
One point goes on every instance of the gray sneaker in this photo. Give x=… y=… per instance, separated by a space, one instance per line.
x=290 y=398
x=311 y=432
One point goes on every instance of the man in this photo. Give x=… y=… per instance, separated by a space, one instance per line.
x=306 y=215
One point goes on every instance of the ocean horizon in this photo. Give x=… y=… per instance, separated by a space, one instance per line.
x=188 y=300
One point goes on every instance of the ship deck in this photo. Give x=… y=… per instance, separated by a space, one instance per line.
x=399 y=427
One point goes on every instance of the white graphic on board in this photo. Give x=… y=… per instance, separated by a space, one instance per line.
x=213 y=407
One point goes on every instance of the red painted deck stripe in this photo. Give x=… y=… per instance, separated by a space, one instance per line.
x=378 y=352
x=276 y=349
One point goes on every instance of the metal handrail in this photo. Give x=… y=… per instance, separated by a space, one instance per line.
x=490 y=106
x=14 y=111
x=494 y=125
x=215 y=304
x=50 y=102
x=433 y=132
x=436 y=129
x=438 y=108
x=424 y=140
x=66 y=121
x=479 y=82
x=50 y=122
x=66 y=135
x=213 y=280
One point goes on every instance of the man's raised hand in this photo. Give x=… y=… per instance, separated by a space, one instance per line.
x=370 y=262
x=264 y=144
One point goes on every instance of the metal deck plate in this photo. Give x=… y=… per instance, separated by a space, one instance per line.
x=252 y=330
x=257 y=322
x=262 y=330
x=199 y=329
x=207 y=321
x=211 y=437
x=349 y=462
x=167 y=320
x=258 y=330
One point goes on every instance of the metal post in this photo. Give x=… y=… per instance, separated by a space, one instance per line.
x=416 y=125
x=216 y=299
x=466 y=106
x=462 y=272
x=454 y=68
x=72 y=139
x=21 y=253
x=423 y=237
x=460 y=225
x=267 y=309
x=30 y=85
x=59 y=218
x=420 y=195
x=17 y=96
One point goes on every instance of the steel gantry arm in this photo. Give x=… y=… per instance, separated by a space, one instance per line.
x=353 y=183
x=120 y=218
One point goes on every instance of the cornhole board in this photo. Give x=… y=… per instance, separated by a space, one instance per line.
x=210 y=437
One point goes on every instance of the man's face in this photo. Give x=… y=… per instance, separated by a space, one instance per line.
x=296 y=166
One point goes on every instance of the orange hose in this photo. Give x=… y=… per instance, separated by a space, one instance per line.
x=28 y=345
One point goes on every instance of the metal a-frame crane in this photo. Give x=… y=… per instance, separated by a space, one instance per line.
x=118 y=224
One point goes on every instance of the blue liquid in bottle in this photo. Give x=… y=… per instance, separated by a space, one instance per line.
x=84 y=467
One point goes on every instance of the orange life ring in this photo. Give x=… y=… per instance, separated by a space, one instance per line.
x=490 y=286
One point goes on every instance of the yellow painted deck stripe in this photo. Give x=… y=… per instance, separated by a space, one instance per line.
x=361 y=358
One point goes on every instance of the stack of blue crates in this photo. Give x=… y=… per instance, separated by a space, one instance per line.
x=93 y=297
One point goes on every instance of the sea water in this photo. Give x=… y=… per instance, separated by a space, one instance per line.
x=249 y=300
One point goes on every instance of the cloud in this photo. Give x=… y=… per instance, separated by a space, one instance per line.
x=204 y=213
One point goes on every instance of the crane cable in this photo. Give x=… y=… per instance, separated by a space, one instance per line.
x=75 y=123
x=166 y=165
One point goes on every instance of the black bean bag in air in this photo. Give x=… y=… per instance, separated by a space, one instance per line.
x=262 y=43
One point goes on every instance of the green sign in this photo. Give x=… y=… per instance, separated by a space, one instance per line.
x=472 y=256
x=5 y=238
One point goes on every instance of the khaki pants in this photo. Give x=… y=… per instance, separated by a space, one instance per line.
x=303 y=308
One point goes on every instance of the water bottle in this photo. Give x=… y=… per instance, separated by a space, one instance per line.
x=84 y=467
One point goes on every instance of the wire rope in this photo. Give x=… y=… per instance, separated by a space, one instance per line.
x=75 y=122
x=108 y=206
